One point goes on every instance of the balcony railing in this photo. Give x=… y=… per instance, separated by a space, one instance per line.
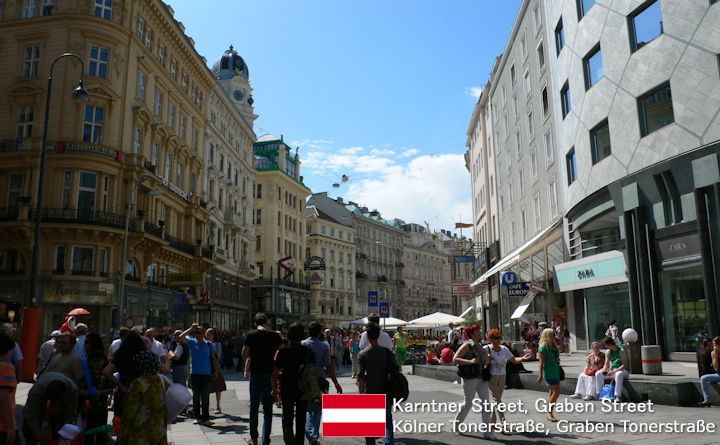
x=207 y=252
x=87 y=273
x=361 y=275
x=9 y=214
x=179 y=244
x=382 y=279
x=400 y=282
x=360 y=255
x=153 y=229
x=81 y=216
x=399 y=264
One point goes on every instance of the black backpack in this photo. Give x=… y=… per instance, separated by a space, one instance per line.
x=399 y=387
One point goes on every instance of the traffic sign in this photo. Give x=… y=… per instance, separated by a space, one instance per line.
x=384 y=309
x=372 y=298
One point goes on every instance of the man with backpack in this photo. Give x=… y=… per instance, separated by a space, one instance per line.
x=296 y=363
x=377 y=365
x=321 y=349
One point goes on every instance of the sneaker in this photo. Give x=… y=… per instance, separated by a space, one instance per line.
x=251 y=441
x=490 y=435
x=575 y=396
x=196 y=422
x=586 y=398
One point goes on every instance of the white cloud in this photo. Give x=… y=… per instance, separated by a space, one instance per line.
x=351 y=150
x=379 y=152
x=474 y=91
x=317 y=144
x=410 y=152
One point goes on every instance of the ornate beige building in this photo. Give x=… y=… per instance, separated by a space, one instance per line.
x=140 y=132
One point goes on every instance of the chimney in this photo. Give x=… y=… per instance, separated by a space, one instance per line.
x=353 y=203
x=339 y=200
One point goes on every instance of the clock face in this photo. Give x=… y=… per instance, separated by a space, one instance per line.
x=238 y=95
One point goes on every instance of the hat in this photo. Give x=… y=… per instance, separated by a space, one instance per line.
x=81 y=325
x=55 y=333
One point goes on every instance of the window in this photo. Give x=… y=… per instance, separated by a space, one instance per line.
x=515 y=106
x=523 y=218
x=141 y=85
x=278 y=244
x=259 y=191
x=25 y=121
x=538 y=19
x=17 y=187
x=154 y=153
x=565 y=103
x=158 y=102
x=549 y=149
x=171 y=115
x=141 y=28
x=180 y=175
x=279 y=219
x=193 y=181
x=258 y=217
x=136 y=141
x=559 y=37
x=538 y=216
x=106 y=193
x=32 y=57
x=583 y=6
x=103 y=8
x=600 y=142
x=523 y=45
x=148 y=38
x=222 y=162
x=173 y=69
x=182 y=127
x=29 y=9
x=98 y=61
x=194 y=139
x=518 y=145
x=552 y=198
x=533 y=166
x=531 y=125
x=67 y=188
x=512 y=74
x=593 y=67
x=87 y=190
x=161 y=54
x=82 y=260
x=545 y=104
x=184 y=82
x=93 y=124
x=59 y=260
x=47 y=7
x=645 y=25
x=571 y=166
x=655 y=109
x=528 y=87
x=521 y=181
x=168 y=166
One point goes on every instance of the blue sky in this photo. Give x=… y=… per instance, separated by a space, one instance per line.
x=382 y=91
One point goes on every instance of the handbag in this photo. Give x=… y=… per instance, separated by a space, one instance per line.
x=592 y=371
x=399 y=387
x=470 y=371
x=485 y=374
x=177 y=398
x=562 y=372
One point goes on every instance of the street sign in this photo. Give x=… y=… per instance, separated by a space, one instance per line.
x=372 y=298
x=461 y=259
x=462 y=289
x=508 y=277
x=185 y=279
x=129 y=322
x=384 y=309
x=180 y=303
x=315 y=263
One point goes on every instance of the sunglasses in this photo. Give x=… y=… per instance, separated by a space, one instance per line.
x=495 y=337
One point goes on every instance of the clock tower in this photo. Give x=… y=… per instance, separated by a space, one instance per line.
x=233 y=76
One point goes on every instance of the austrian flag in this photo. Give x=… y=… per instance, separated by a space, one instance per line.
x=353 y=415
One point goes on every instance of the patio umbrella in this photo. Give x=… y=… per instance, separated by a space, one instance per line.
x=79 y=311
x=434 y=320
x=385 y=322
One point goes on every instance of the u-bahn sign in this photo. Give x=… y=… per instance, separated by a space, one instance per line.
x=315 y=263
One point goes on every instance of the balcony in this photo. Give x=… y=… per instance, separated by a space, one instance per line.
x=382 y=279
x=208 y=252
x=149 y=166
x=81 y=216
x=360 y=255
x=233 y=221
x=87 y=273
x=179 y=244
x=153 y=229
x=400 y=282
x=399 y=264
x=361 y=276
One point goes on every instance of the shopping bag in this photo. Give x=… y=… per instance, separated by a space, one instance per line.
x=608 y=392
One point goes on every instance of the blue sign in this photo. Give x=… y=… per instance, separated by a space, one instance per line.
x=461 y=259
x=508 y=277
x=179 y=303
x=384 y=309
x=518 y=289
x=372 y=298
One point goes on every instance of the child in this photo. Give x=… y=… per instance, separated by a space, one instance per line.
x=8 y=384
x=98 y=412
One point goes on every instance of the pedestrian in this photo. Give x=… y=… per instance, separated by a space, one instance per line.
x=16 y=355
x=122 y=363
x=354 y=351
x=8 y=387
x=203 y=366
x=98 y=394
x=549 y=356
x=615 y=368
x=612 y=331
x=144 y=419
x=704 y=357
x=124 y=331
x=285 y=386
x=217 y=386
x=46 y=352
x=179 y=359
x=321 y=350
x=346 y=348
x=566 y=341
x=66 y=362
x=383 y=340
x=81 y=330
x=499 y=356
x=400 y=343
x=452 y=332
x=260 y=347
x=53 y=398
x=586 y=387
x=157 y=346
x=710 y=378
x=239 y=343
x=472 y=353
x=377 y=364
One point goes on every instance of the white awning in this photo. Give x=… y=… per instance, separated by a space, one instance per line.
x=525 y=303
x=466 y=311
x=514 y=256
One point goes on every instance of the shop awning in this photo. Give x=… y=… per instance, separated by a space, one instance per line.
x=594 y=271
x=514 y=256
x=525 y=303
x=466 y=311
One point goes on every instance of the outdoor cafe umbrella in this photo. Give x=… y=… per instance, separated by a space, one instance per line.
x=384 y=322
x=434 y=320
x=79 y=311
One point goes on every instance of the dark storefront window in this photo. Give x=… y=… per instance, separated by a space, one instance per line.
x=685 y=310
x=605 y=304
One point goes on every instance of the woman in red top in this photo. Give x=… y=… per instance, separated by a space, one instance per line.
x=446 y=356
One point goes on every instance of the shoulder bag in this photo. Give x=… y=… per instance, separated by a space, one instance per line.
x=470 y=371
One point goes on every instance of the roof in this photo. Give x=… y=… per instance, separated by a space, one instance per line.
x=330 y=209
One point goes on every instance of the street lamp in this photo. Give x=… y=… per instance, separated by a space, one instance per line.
x=31 y=315
x=123 y=271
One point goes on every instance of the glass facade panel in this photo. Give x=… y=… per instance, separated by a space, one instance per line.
x=685 y=309
x=646 y=26
x=605 y=304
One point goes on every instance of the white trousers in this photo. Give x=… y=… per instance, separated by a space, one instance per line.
x=470 y=388
x=586 y=385
x=618 y=376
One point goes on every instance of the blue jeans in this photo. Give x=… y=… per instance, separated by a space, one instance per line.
x=389 y=435
x=705 y=382
x=260 y=388
x=312 y=425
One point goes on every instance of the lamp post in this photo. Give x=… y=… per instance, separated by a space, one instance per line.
x=31 y=315
x=123 y=271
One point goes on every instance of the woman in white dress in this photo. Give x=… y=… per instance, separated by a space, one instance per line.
x=586 y=387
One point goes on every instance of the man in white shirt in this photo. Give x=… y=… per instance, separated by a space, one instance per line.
x=46 y=351
x=115 y=345
x=384 y=339
x=452 y=332
x=157 y=346
x=79 y=349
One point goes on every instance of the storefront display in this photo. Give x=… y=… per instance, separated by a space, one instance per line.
x=605 y=304
x=685 y=309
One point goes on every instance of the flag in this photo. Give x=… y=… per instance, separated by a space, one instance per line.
x=353 y=415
